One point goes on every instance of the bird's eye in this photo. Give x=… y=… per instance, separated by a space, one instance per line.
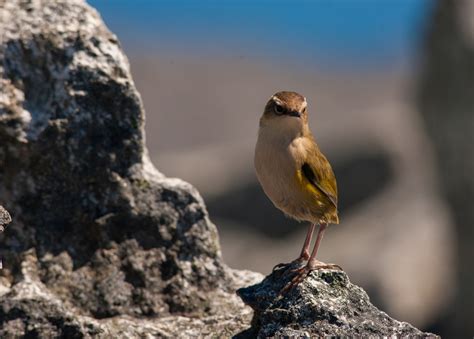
x=279 y=109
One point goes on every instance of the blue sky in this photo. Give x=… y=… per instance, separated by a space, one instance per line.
x=327 y=31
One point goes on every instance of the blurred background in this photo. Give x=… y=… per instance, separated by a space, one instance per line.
x=390 y=86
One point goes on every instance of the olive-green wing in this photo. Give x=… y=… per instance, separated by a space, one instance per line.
x=318 y=172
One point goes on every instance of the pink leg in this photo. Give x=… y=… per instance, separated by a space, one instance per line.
x=305 y=251
x=313 y=263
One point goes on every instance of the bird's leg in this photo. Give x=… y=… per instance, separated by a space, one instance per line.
x=313 y=263
x=305 y=250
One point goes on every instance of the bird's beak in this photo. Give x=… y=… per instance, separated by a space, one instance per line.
x=294 y=114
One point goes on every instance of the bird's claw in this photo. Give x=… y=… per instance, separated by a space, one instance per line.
x=302 y=272
x=300 y=275
x=281 y=266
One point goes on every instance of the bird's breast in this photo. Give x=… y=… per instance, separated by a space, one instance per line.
x=278 y=168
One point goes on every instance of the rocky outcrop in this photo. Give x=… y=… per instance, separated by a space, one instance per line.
x=98 y=232
x=446 y=102
x=32 y=308
x=103 y=245
x=326 y=303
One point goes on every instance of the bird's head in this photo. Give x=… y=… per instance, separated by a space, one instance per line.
x=285 y=113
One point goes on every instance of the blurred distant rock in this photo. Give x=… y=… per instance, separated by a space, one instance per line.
x=325 y=304
x=446 y=102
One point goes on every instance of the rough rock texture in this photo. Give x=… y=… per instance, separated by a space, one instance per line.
x=326 y=303
x=446 y=102
x=5 y=218
x=99 y=232
x=103 y=245
x=31 y=308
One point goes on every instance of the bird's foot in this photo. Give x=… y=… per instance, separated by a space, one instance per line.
x=302 y=272
x=283 y=266
x=303 y=256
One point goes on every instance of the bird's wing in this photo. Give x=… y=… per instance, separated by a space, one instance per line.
x=318 y=172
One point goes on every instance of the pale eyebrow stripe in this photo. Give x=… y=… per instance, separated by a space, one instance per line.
x=276 y=99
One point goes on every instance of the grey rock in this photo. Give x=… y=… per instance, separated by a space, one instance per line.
x=5 y=218
x=326 y=303
x=101 y=238
x=32 y=309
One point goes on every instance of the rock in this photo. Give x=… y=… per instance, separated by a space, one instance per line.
x=32 y=309
x=101 y=239
x=326 y=303
x=5 y=218
x=446 y=104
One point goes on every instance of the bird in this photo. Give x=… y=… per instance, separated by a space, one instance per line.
x=295 y=174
